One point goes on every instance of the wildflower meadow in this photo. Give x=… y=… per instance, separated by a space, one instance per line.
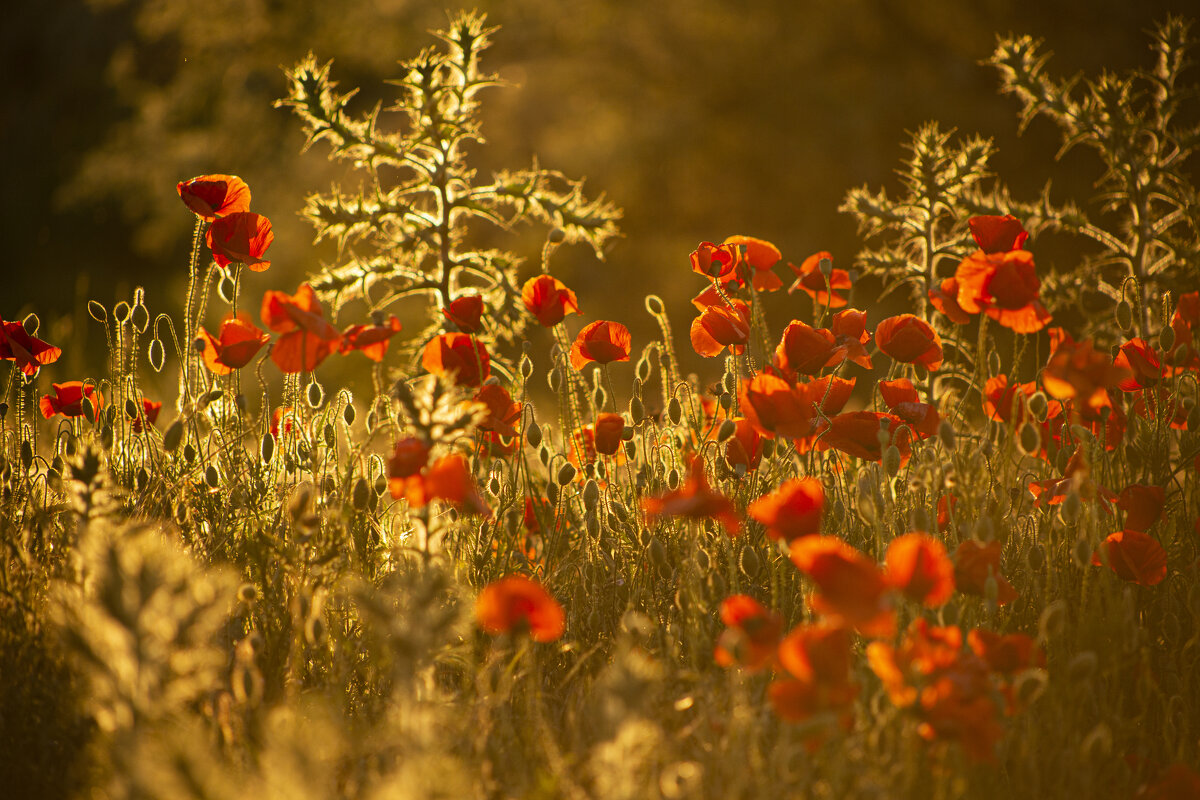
x=424 y=526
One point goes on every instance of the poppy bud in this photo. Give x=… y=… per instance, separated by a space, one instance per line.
x=591 y=495
x=526 y=367
x=768 y=448
x=348 y=414
x=727 y=429
x=140 y=318
x=156 y=354
x=1166 y=338
x=592 y=525
x=315 y=395
x=1071 y=506
x=266 y=447
x=947 y=435
x=657 y=552
x=749 y=562
x=360 y=494
x=26 y=454
x=554 y=378
x=891 y=460
x=643 y=367
x=1082 y=552
x=142 y=479
x=226 y=287
x=556 y=236
x=566 y=474
x=327 y=435
x=1124 y=316
x=1030 y=440
x=599 y=397
x=3 y=410
x=120 y=312
x=673 y=479
x=212 y=477
x=494 y=486
x=631 y=448
x=96 y=312
x=1030 y=685
x=636 y=410
x=675 y=411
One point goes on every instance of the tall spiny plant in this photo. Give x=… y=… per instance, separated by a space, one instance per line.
x=405 y=232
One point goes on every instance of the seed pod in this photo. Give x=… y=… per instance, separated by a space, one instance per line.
x=212 y=477
x=533 y=434
x=156 y=354
x=266 y=447
x=225 y=287
x=566 y=473
x=96 y=311
x=348 y=414
x=675 y=411
x=1124 y=316
x=727 y=429
x=121 y=312
x=749 y=562
x=315 y=395
x=140 y=318
x=173 y=436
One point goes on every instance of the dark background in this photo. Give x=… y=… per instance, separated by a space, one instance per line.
x=699 y=118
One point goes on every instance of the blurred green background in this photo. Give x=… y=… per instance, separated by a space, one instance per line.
x=699 y=118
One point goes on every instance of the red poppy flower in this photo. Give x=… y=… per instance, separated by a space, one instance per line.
x=1076 y=371
x=213 y=196
x=850 y=587
x=944 y=297
x=909 y=339
x=973 y=563
x=607 y=432
x=775 y=407
x=68 y=400
x=241 y=237
x=1142 y=363
x=1150 y=403
x=1000 y=399
x=1135 y=557
x=818 y=658
x=945 y=507
x=465 y=311
x=918 y=566
x=459 y=355
x=1005 y=287
x=1185 y=354
x=548 y=299
x=1142 y=504
x=806 y=350
x=150 y=411
x=713 y=260
x=1008 y=653
x=856 y=433
x=925 y=650
x=283 y=419
x=720 y=326
x=829 y=393
x=448 y=479
x=744 y=448
x=811 y=281
x=694 y=499
x=998 y=234
x=849 y=327
x=29 y=353
x=760 y=255
x=516 y=604
x=238 y=341
x=371 y=340
x=502 y=411
x=902 y=399
x=1076 y=478
x=751 y=634
x=307 y=337
x=792 y=511
x=602 y=342
x=409 y=457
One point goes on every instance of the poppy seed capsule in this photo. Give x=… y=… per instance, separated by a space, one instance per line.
x=1030 y=440
x=121 y=312
x=360 y=495
x=1166 y=338
x=266 y=447
x=591 y=494
x=533 y=435
x=674 y=411
x=156 y=354
x=1124 y=316
x=566 y=474
x=140 y=318
x=212 y=477
x=226 y=288
x=315 y=395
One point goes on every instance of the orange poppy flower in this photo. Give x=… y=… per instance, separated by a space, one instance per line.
x=409 y=457
x=238 y=341
x=902 y=399
x=775 y=407
x=998 y=234
x=28 y=352
x=1142 y=504
x=465 y=311
x=213 y=196
x=502 y=411
x=909 y=339
x=1009 y=653
x=307 y=337
x=714 y=261
x=150 y=411
x=516 y=604
x=925 y=650
x=448 y=479
x=973 y=563
x=1150 y=403
x=792 y=511
x=806 y=350
x=849 y=327
x=1185 y=322
x=797 y=701
x=1076 y=478
x=283 y=419
x=720 y=326
x=1005 y=287
x=818 y=658
x=1135 y=557
x=745 y=446
x=602 y=342
x=751 y=634
x=458 y=356
x=607 y=432
x=241 y=237
x=1076 y=371
x=918 y=566
x=856 y=433
x=850 y=587
x=945 y=507
x=944 y=297
x=760 y=255
x=811 y=281
x=1000 y=399
x=370 y=340
x=1142 y=363
x=829 y=393
x=548 y=299
x=694 y=499
x=68 y=400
